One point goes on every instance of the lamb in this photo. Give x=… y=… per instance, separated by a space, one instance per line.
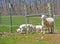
x=21 y=27
x=48 y=23
x=39 y=28
x=25 y=26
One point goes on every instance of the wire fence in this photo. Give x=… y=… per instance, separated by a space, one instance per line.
x=14 y=16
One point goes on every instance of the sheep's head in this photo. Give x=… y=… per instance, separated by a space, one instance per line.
x=18 y=30
x=42 y=16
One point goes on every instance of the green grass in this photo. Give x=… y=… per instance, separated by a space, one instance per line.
x=24 y=38
x=57 y=23
x=18 y=20
x=21 y=39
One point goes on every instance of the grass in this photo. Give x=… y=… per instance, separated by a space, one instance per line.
x=57 y=23
x=18 y=20
x=21 y=39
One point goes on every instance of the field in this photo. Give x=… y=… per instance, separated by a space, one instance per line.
x=15 y=38
x=36 y=38
x=18 y=20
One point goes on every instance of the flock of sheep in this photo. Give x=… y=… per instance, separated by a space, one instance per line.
x=47 y=26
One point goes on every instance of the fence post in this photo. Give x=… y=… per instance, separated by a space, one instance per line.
x=10 y=12
x=51 y=14
x=50 y=9
x=26 y=18
x=1 y=7
x=0 y=18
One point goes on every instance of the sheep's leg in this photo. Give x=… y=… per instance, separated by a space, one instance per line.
x=34 y=30
x=49 y=29
x=20 y=30
x=52 y=30
x=31 y=30
x=41 y=30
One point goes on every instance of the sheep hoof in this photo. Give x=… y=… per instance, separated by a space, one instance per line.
x=50 y=32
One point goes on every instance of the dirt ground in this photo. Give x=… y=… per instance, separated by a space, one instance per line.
x=54 y=39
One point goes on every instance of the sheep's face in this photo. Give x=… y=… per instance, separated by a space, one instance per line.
x=18 y=30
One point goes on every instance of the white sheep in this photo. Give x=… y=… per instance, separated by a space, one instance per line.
x=18 y=30
x=25 y=26
x=39 y=28
x=48 y=23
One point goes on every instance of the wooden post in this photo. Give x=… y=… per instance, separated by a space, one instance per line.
x=26 y=18
x=50 y=10
x=51 y=15
x=54 y=18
